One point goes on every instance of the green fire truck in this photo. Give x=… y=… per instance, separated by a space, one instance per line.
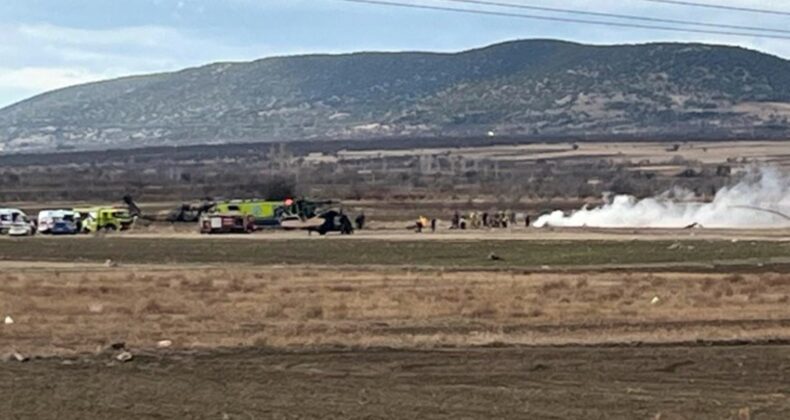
x=268 y=213
x=105 y=218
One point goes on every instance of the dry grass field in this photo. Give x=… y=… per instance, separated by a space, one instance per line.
x=386 y=339
x=63 y=310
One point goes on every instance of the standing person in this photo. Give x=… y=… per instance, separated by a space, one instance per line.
x=422 y=222
x=485 y=219
x=456 y=220
x=360 y=220
x=433 y=225
x=345 y=225
x=425 y=222
x=526 y=219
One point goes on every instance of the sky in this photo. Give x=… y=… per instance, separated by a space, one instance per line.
x=49 y=44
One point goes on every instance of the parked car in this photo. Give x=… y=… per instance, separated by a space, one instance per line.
x=65 y=227
x=22 y=227
x=59 y=222
x=14 y=218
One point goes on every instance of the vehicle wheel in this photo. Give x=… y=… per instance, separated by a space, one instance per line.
x=110 y=228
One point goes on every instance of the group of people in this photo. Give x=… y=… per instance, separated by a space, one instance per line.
x=423 y=223
x=346 y=228
x=477 y=220
x=474 y=220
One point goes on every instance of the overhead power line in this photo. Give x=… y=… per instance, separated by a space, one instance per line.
x=566 y=19
x=616 y=15
x=722 y=7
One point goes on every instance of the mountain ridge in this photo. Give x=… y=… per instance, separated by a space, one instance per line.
x=515 y=88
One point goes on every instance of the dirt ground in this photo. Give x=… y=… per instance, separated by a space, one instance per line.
x=686 y=382
x=676 y=327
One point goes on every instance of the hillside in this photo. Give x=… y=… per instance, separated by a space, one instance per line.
x=531 y=88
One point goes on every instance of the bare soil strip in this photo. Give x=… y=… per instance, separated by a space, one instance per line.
x=698 y=382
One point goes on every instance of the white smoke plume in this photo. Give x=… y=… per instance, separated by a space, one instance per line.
x=760 y=200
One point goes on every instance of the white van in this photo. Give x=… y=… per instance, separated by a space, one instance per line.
x=15 y=222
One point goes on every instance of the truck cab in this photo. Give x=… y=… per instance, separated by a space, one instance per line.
x=105 y=219
x=264 y=213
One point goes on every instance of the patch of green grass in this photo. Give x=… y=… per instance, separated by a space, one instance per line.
x=326 y=251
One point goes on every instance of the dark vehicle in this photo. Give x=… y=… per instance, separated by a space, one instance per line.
x=331 y=221
x=185 y=213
